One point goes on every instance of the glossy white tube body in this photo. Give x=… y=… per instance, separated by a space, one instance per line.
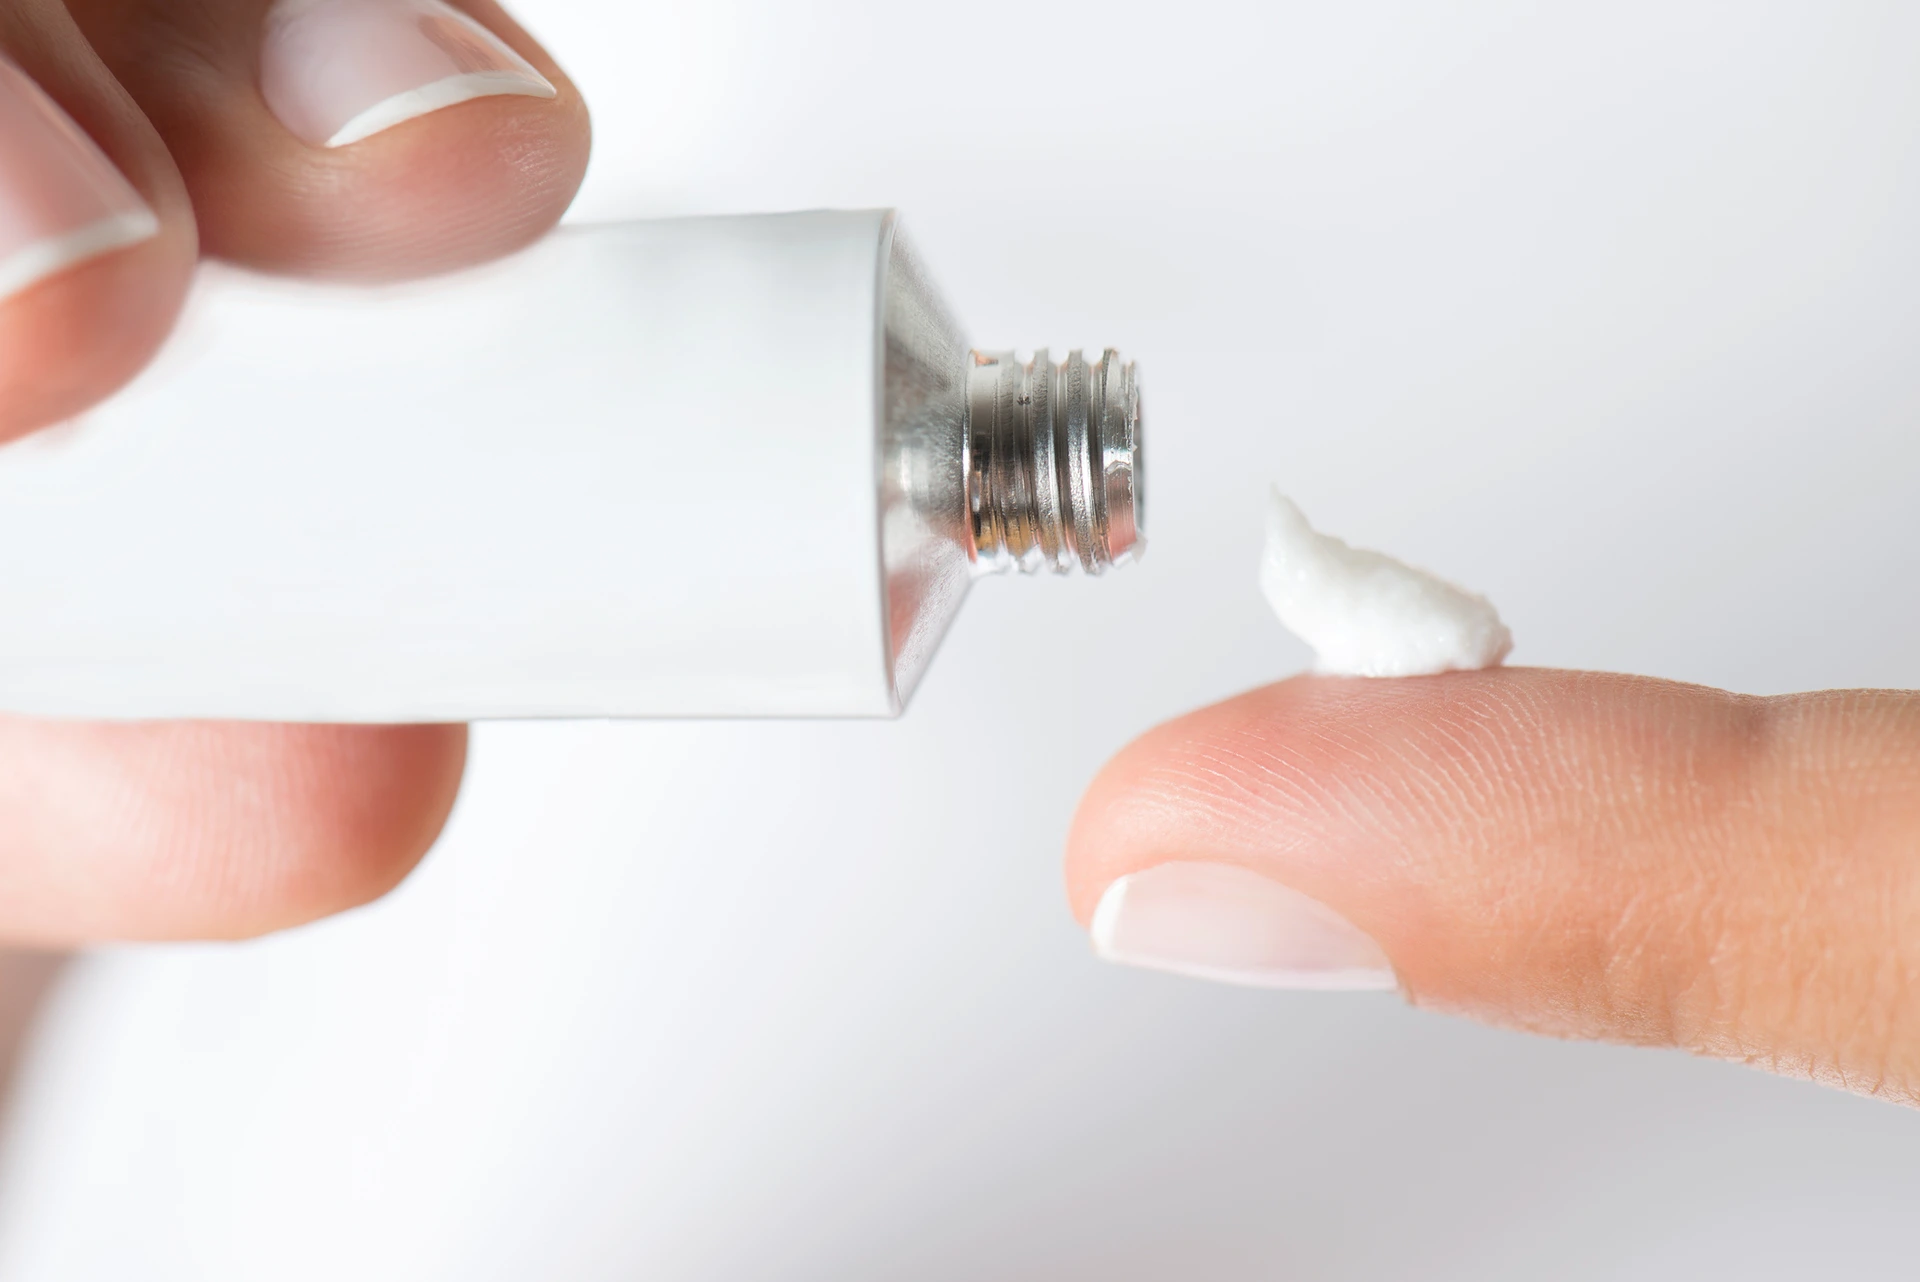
x=628 y=472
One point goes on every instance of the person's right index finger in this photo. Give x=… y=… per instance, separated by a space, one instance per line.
x=1580 y=854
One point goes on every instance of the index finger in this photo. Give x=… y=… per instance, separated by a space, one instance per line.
x=1574 y=853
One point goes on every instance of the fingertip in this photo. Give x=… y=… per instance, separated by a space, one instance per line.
x=75 y=335
x=355 y=139
x=1115 y=829
x=1430 y=784
x=346 y=813
x=96 y=234
x=1168 y=794
x=456 y=186
x=211 y=830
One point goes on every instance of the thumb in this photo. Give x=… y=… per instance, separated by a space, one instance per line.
x=1577 y=854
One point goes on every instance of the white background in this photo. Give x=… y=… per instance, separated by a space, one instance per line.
x=1612 y=312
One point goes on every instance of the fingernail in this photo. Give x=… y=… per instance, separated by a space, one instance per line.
x=61 y=200
x=337 y=71
x=1222 y=922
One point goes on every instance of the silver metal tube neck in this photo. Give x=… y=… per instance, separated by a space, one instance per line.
x=1053 y=462
x=990 y=463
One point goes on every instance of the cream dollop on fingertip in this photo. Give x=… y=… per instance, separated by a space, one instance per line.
x=1368 y=615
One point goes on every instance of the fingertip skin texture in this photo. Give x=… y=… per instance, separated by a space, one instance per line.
x=1579 y=854
x=211 y=830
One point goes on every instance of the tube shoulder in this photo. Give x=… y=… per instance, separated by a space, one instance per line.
x=925 y=536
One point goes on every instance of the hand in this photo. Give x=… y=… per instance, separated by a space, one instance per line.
x=1569 y=853
x=219 y=115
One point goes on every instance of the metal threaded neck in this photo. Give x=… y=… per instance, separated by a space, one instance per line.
x=1054 y=462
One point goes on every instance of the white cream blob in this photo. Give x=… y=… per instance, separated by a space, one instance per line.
x=1368 y=615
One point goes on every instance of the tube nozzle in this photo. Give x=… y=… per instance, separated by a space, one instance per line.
x=1053 y=462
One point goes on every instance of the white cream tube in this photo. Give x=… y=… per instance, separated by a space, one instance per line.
x=631 y=471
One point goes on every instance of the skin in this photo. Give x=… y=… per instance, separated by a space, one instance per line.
x=1576 y=854
x=225 y=830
